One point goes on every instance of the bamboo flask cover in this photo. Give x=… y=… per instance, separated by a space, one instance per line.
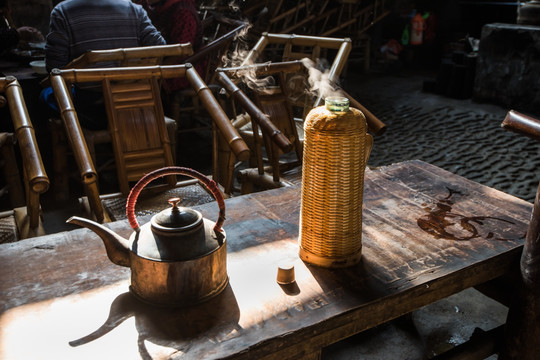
x=336 y=149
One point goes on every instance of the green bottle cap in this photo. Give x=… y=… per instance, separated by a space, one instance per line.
x=337 y=103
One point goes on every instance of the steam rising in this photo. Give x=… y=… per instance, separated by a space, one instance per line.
x=320 y=83
x=237 y=58
x=317 y=83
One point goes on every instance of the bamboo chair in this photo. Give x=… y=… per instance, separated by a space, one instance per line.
x=290 y=47
x=35 y=179
x=269 y=127
x=289 y=17
x=136 y=120
x=350 y=18
x=286 y=111
x=327 y=18
x=121 y=57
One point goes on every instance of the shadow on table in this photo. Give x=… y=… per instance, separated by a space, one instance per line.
x=170 y=327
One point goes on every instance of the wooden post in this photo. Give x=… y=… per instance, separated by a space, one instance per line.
x=522 y=333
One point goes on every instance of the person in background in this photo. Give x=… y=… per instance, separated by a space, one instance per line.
x=179 y=23
x=78 y=26
x=9 y=37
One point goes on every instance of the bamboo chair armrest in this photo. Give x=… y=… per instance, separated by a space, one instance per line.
x=215 y=45
x=24 y=131
x=235 y=141
x=73 y=129
x=31 y=158
x=522 y=124
x=255 y=113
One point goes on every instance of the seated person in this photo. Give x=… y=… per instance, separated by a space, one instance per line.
x=78 y=26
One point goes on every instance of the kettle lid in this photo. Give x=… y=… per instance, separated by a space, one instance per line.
x=176 y=218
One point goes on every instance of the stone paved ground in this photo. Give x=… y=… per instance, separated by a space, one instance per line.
x=460 y=136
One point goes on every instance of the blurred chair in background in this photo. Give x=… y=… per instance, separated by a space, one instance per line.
x=285 y=76
x=219 y=34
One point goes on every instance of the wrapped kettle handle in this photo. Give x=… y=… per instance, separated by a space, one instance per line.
x=210 y=185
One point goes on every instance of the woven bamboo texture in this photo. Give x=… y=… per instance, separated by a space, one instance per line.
x=336 y=147
x=8 y=230
x=151 y=204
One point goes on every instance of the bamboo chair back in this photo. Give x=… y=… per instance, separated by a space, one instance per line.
x=121 y=57
x=290 y=47
x=136 y=56
x=35 y=179
x=136 y=117
x=275 y=105
x=136 y=120
x=324 y=17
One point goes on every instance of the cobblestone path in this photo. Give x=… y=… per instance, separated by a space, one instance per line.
x=460 y=136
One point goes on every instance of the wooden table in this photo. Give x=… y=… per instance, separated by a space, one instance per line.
x=62 y=298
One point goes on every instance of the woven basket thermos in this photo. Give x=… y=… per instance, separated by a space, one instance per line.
x=336 y=149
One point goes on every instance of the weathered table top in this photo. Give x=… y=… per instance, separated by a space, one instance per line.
x=427 y=234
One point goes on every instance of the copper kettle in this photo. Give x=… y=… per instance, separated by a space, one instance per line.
x=179 y=257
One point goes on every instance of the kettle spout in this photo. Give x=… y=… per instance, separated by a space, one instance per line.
x=117 y=247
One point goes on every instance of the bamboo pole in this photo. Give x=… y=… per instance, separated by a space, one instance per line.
x=152 y=54
x=264 y=69
x=214 y=45
x=35 y=178
x=256 y=51
x=237 y=144
x=33 y=163
x=522 y=124
x=77 y=142
x=375 y=125
x=306 y=40
x=73 y=128
x=338 y=64
x=255 y=113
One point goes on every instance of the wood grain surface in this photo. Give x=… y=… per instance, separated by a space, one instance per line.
x=427 y=234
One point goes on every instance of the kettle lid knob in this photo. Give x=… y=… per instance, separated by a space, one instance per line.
x=177 y=218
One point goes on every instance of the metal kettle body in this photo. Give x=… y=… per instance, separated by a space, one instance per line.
x=179 y=258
